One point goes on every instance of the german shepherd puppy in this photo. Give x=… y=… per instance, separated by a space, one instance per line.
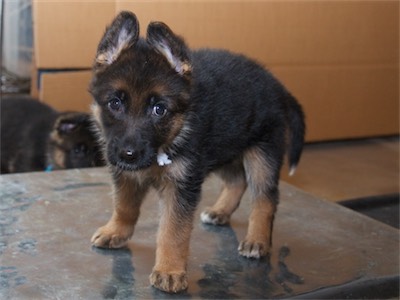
x=35 y=137
x=169 y=116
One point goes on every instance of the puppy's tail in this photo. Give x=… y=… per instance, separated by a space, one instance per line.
x=296 y=132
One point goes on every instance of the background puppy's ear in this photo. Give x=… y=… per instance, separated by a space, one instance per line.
x=121 y=34
x=70 y=121
x=161 y=37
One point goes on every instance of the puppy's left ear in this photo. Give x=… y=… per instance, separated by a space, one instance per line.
x=66 y=123
x=171 y=46
x=120 y=35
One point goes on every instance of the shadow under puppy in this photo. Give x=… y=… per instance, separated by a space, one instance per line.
x=169 y=116
x=35 y=137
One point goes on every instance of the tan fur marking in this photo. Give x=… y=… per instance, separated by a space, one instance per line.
x=227 y=203
x=230 y=197
x=175 y=128
x=128 y=196
x=169 y=272
x=59 y=158
x=186 y=67
x=259 y=176
x=260 y=220
x=258 y=239
x=148 y=176
x=96 y=113
x=112 y=54
x=178 y=168
x=173 y=237
x=182 y=67
x=119 y=84
x=258 y=170
x=97 y=124
x=183 y=135
x=55 y=137
x=101 y=58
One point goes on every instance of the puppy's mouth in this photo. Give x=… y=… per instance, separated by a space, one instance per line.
x=124 y=166
x=132 y=164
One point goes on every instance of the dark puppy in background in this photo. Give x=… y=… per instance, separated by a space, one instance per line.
x=35 y=137
x=169 y=116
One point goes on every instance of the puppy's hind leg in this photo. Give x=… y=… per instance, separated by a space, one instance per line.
x=128 y=196
x=262 y=171
x=234 y=187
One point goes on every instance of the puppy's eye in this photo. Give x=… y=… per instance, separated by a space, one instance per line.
x=159 y=110
x=115 y=104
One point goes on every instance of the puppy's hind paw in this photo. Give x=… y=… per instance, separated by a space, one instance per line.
x=169 y=282
x=253 y=249
x=212 y=217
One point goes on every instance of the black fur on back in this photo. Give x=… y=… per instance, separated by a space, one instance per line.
x=235 y=101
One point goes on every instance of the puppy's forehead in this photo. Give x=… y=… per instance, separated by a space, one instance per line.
x=139 y=69
x=141 y=86
x=141 y=72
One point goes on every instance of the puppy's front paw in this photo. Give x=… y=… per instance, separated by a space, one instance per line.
x=169 y=282
x=253 y=249
x=213 y=217
x=111 y=236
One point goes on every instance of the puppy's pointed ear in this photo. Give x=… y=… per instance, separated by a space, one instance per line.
x=68 y=122
x=171 y=46
x=121 y=34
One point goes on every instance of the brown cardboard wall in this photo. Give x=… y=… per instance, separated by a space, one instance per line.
x=283 y=32
x=66 y=90
x=345 y=102
x=339 y=58
x=66 y=33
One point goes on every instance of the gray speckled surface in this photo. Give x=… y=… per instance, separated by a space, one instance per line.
x=47 y=219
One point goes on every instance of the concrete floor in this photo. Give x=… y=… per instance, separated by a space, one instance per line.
x=346 y=170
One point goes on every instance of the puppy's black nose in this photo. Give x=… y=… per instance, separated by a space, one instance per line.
x=128 y=155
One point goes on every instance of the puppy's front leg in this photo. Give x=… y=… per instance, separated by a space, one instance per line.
x=128 y=196
x=169 y=272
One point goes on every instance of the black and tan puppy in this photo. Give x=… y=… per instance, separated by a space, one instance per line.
x=168 y=117
x=35 y=137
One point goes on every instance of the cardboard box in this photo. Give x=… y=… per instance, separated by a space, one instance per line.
x=345 y=102
x=66 y=33
x=339 y=58
x=283 y=32
x=66 y=90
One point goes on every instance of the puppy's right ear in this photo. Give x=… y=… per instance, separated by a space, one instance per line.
x=171 y=46
x=120 y=35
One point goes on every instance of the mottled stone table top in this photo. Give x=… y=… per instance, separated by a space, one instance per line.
x=47 y=219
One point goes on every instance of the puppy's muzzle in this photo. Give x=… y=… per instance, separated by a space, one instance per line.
x=133 y=156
